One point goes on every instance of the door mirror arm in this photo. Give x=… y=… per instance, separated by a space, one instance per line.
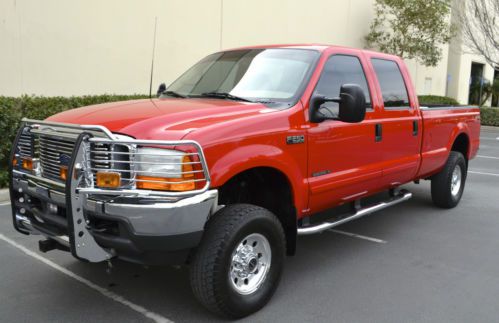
x=315 y=108
x=352 y=105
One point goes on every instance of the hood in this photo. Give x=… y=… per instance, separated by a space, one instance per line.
x=166 y=118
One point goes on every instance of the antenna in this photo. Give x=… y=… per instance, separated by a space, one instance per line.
x=153 y=51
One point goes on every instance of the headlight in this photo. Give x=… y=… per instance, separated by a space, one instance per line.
x=164 y=169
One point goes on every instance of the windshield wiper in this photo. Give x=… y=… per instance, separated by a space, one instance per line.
x=174 y=94
x=223 y=95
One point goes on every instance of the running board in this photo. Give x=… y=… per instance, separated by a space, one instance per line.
x=402 y=196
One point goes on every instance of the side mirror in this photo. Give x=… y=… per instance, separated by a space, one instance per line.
x=352 y=105
x=161 y=89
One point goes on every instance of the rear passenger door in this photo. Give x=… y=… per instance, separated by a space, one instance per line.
x=399 y=127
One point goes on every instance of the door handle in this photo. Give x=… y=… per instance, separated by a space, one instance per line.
x=378 y=132
x=415 y=128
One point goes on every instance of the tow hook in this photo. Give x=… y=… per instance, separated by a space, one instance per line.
x=50 y=244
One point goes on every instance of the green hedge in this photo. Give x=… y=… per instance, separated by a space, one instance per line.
x=436 y=99
x=13 y=109
x=489 y=116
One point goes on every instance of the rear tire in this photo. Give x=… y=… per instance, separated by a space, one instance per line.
x=239 y=261
x=447 y=186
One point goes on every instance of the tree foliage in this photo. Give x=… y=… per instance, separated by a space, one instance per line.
x=411 y=28
x=479 y=27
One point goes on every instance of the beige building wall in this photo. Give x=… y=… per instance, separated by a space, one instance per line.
x=56 y=47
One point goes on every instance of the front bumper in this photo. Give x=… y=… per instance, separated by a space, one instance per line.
x=132 y=228
x=148 y=227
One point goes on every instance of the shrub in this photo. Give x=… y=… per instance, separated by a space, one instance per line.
x=4 y=178
x=489 y=116
x=436 y=100
x=13 y=109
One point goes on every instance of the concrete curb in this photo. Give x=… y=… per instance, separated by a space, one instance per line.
x=4 y=195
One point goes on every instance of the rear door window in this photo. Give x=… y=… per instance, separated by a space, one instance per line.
x=391 y=83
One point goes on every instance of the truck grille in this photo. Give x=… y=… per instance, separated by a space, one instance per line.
x=54 y=154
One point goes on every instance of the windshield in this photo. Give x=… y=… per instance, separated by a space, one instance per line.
x=265 y=75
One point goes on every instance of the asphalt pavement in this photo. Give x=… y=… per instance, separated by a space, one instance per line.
x=410 y=263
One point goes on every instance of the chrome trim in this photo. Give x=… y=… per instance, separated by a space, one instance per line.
x=38 y=179
x=169 y=218
x=84 y=243
x=403 y=196
x=47 y=124
x=188 y=201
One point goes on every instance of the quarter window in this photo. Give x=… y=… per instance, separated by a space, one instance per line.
x=339 y=70
x=391 y=83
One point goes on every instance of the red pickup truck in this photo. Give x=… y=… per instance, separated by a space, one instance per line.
x=233 y=160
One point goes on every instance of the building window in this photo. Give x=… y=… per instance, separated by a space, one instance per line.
x=476 y=84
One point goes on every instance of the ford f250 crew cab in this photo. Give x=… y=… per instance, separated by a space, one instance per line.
x=242 y=153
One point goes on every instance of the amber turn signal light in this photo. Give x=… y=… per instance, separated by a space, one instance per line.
x=14 y=161
x=108 y=179
x=164 y=184
x=27 y=163
x=63 y=172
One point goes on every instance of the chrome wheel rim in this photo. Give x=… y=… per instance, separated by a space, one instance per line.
x=250 y=264
x=455 y=185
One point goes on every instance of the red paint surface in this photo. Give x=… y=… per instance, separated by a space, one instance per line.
x=237 y=136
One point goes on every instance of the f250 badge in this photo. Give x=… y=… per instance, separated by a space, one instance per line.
x=291 y=140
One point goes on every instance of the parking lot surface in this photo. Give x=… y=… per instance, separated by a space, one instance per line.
x=410 y=263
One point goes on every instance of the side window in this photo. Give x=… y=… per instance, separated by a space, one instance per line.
x=391 y=83
x=339 y=70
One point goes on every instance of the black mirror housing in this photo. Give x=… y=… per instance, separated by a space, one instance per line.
x=352 y=105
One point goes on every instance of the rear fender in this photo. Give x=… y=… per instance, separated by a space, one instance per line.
x=460 y=128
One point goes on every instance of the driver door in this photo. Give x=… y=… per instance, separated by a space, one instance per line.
x=345 y=160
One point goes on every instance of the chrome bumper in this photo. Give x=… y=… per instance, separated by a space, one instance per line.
x=154 y=218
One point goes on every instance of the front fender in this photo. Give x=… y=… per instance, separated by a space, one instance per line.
x=259 y=155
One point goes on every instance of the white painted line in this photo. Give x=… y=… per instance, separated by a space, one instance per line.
x=107 y=293
x=354 y=235
x=489 y=157
x=5 y=203
x=481 y=173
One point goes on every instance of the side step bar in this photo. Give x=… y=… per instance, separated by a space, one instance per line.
x=402 y=196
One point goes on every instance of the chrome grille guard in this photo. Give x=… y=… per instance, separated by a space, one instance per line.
x=99 y=135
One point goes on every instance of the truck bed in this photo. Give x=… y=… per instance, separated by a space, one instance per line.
x=440 y=126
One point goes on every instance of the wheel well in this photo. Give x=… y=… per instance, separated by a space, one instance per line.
x=266 y=187
x=461 y=144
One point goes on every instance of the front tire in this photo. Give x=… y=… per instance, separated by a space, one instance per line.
x=447 y=186
x=239 y=261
